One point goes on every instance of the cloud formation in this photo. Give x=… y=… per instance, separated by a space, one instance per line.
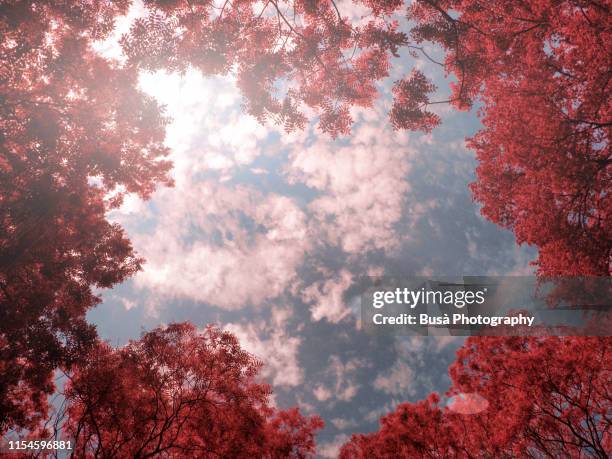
x=327 y=298
x=362 y=187
x=227 y=246
x=271 y=343
x=260 y=218
x=398 y=380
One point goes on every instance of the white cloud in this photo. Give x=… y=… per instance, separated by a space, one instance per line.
x=326 y=298
x=322 y=393
x=274 y=346
x=223 y=245
x=363 y=187
x=332 y=448
x=398 y=380
x=343 y=424
x=208 y=132
x=341 y=377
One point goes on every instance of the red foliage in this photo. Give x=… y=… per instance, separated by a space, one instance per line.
x=74 y=127
x=67 y=118
x=547 y=397
x=542 y=70
x=180 y=393
x=408 y=111
x=288 y=56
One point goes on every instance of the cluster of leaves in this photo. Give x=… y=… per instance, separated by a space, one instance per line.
x=547 y=397
x=289 y=58
x=68 y=118
x=542 y=71
x=76 y=134
x=176 y=392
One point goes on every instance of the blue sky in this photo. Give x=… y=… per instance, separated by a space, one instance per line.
x=267 y=233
